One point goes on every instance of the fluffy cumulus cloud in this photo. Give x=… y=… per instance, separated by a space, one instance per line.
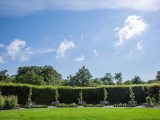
x=1 y=60
x=80 y=58
x=133 y=26
x=18 y=49
x=23 y=7
x=15 y=48
x=139 y=46
x=64 y=47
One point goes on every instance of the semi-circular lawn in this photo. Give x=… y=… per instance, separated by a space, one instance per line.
x=82 y=114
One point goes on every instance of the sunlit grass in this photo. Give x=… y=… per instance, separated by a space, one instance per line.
x=82 y=114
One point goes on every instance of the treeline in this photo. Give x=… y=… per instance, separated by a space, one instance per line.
x=47 y=75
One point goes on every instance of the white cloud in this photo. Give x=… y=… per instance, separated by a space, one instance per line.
x=139 y=46
x=1 y=60
x=17 y=49
x=64 y=47
x=95 y=52
x=132 y=27
x=80 y=58
x=2 y=45
x=23 y=7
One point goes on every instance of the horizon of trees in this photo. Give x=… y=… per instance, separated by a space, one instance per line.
x=47 y=75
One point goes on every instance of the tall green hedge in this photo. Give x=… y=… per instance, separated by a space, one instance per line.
x=45 y=94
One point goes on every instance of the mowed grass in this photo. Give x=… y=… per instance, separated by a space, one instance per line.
x=82 y=114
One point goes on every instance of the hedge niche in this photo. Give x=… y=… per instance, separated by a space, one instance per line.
x=46 y=94
x=21 y=91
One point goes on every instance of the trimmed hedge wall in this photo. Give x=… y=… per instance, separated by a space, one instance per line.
x=92 y=95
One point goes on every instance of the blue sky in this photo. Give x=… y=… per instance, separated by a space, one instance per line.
x=105 y=36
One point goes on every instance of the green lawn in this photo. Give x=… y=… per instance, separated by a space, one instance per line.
x=82 y=114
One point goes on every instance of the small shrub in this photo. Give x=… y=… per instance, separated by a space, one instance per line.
x=11 y=102
x=88 y=105
x=150 y=101
x=105 y=97
x=158 y=96
x=132 y=101
x=57 y=96
x=121 y=105
x=29 y=101
x=1 y=101
x=80 y=99
x=91 y=105
x=35 y=106
x=62 y=105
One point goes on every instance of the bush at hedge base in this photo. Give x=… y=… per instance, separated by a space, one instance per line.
x=63 y=105
x=1 y=102
x=150 y=101
x=10 y=102
x=104 y=102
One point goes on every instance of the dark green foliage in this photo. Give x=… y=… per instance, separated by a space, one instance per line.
x=158 y=76
x=137 y=80
x=159 y=95
x=118 y=78
x=4 y=77
x=93 y=95
x=45 y=95
x=107 y=79
x=81 y=78
x=21 y=91
x=68 y=95
x=36 y=75
x=127 y=82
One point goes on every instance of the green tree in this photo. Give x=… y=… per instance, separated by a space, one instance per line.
x=81 y=78
x=118 y=78
x=127 y=82
x=137 y=80
x=4 y=77
x=51 y=76
x=107 y=79
x=37 y=75
x=158 y=76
